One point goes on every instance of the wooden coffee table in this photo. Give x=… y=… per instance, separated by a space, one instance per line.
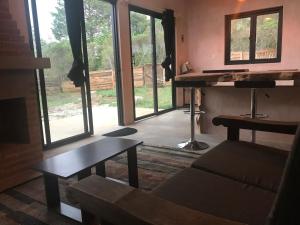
x=79 y=162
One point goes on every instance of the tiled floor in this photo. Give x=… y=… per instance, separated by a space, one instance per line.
x=166 y=130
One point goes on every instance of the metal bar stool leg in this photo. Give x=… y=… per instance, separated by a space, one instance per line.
x=193 y=144
x=253 y=110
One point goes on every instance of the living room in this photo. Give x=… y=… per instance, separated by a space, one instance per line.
x=149 y=112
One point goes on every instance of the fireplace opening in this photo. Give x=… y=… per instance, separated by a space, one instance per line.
x=13 y=121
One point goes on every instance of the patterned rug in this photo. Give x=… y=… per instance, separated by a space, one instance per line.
x=25 y=204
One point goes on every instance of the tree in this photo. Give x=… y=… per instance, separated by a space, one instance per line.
x=141 y=39
x=59 y=26
x=61 y=58
x=99 y=35
x=97 y=19
x=98 y=26
x=267 y=32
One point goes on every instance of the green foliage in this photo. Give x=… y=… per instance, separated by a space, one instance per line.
x=165 y=97
x=240 y=34
x=266 y=31
x=107 y=97
x=142 y=42
x=160 y=42
x=98 y=19
x=144 y=100
x=59 y=28
x=98 y=24
x=61 y=99
x=61 y=60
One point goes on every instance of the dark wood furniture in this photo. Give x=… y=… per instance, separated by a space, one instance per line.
x=79 y=162
x=105 y=200
x=236 y=182
x=211 y=78
x=252 y=80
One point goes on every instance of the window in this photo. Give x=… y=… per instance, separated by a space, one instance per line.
x=152 y=94
x=253 y=37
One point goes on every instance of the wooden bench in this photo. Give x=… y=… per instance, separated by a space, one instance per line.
x=124 y=205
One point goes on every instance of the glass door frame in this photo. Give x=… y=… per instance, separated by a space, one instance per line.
x=85 y=89
x=153 y=15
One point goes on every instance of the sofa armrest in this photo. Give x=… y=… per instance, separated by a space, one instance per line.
x=235 y=123
x=119 y=204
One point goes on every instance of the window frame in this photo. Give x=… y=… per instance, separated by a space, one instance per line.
x=253 y=27
x=33 y=29
x=154 y=15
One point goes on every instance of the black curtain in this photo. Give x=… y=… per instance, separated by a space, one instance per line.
x=74 y=20
x=168 y=23
x=287 y=204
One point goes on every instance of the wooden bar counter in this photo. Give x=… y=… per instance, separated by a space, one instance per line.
x=213 y=78
x=280 y=102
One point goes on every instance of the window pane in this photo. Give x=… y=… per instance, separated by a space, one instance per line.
x=240 y=39
x=100 y=47
x=64 y=101
x=267 y=36
x=142 y=52
x=164 y=89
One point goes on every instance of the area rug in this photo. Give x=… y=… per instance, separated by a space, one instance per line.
x=25 y=204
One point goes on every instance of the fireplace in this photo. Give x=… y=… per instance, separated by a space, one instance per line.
x=20 y=128
x=13 y=121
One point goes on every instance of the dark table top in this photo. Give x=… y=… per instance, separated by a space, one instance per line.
x=70 y=163
x=259 y=79
x=241 y=76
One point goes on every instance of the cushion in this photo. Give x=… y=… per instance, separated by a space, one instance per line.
x=247 y=162
x=219 y=196
x=286 y=208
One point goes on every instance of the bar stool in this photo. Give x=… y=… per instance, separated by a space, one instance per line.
x=193 y=144
x=254 y=86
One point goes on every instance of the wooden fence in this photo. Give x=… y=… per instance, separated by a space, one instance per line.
x=105 y=79
x=262 y=54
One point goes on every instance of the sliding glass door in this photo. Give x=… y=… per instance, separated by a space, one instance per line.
x=102 y=55
x=164 y=89
x=67 y=111
x=152 y=94
x=63 y=107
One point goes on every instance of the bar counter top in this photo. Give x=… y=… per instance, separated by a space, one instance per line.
x=282 y=78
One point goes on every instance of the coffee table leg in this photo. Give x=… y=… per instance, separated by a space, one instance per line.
x=52 y=191
x=88 y=218
x=132 y=168
x=84 y=173
x=100 y=169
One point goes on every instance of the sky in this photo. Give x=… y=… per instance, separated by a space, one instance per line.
x=44 y=9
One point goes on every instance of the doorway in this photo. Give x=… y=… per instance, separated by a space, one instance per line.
x=152 y=94
x=67 y=113
x=103 y=64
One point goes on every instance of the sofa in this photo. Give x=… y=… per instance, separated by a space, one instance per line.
x=235 y=183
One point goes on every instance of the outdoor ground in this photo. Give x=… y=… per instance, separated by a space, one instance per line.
x=66 y=117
